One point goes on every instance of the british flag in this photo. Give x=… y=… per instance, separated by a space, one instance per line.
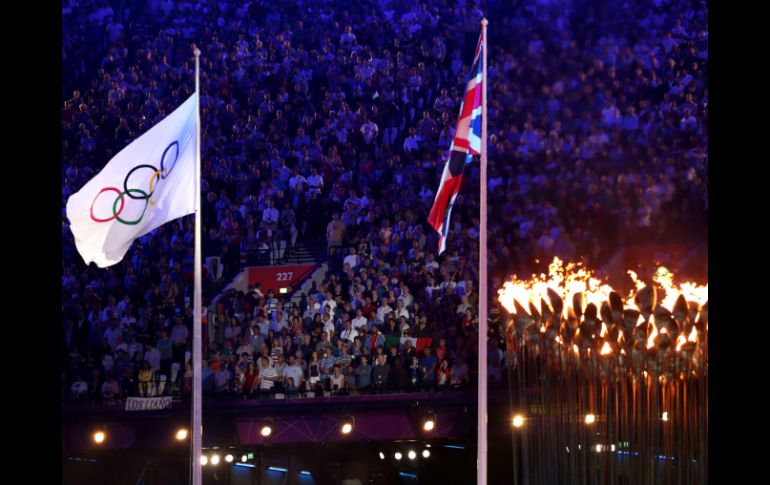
x=465 y=145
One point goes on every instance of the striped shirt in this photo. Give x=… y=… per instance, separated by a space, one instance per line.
x=264 y=383
x=343 y=360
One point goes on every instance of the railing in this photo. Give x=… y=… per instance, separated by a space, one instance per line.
x=319 y=389
x=180 y=390
x=158 y=386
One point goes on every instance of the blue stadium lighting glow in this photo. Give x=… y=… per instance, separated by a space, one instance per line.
x=630 y=453
x=408 y=475
x=456 y=447
x=306 y=473
x=247 y=465
x=277 y=469
x=664 y=457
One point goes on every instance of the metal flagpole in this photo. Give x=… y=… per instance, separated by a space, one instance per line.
x=481 y=477
x=197 y=425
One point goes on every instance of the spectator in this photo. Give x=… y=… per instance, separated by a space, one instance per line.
x=363 y=375
x=380 y=374
x=428 y=367
x=250 y=380
x=79 y=388
x=293 y=375
x=267 y=376
x=110 y=389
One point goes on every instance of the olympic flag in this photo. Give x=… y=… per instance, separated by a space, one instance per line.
x=149 y=183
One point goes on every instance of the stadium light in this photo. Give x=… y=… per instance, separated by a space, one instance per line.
x=429 y=421
x=590 y=419
x=229 y=458
x=412 y=454
x=398 y=455
x=518 y=421
x=347 y=424
x=267 y=428
x=181 y=434
x=426 y=453
x=99 y=437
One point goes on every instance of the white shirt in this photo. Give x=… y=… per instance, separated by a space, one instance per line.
x=349 y=334
x=315 y=182
x=382 y=311
x=79 y=387
x=360 y=322
x=332 y=306
x=407 y=298
x=412 y=143
x=296 y=180
x=329 y=328
x=351 y=260
x=244 y=349
x=369 y=130
x=270 y=215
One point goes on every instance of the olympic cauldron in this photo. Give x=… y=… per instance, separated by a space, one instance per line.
x=612 y=393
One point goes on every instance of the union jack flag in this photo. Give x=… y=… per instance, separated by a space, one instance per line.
x=465 y=145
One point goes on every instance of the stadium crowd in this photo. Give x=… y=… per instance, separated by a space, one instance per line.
x=331 y=121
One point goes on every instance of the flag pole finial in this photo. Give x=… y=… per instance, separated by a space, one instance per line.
x=484 y=22
x=196 y=51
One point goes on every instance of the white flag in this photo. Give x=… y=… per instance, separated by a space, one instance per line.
x=150 y=182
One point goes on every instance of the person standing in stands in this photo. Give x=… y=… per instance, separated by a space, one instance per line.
x=380 y=374
x=363 y=375
x=267 y=377
x=335 y=234
x=428 y=365
x=179 y=337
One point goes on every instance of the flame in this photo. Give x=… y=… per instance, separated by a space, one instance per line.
x=651 y=338
x=680 y=341
x=567 y=279
x=606 y=349
x=691 y=291
x=639 y=320
x=637 y=283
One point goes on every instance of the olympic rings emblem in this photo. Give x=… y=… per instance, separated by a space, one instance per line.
x=158 y=175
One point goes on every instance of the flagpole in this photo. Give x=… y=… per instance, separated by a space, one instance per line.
x=197 y=425
x=481 y=478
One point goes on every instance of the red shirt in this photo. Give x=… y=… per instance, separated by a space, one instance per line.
x=249 y=380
